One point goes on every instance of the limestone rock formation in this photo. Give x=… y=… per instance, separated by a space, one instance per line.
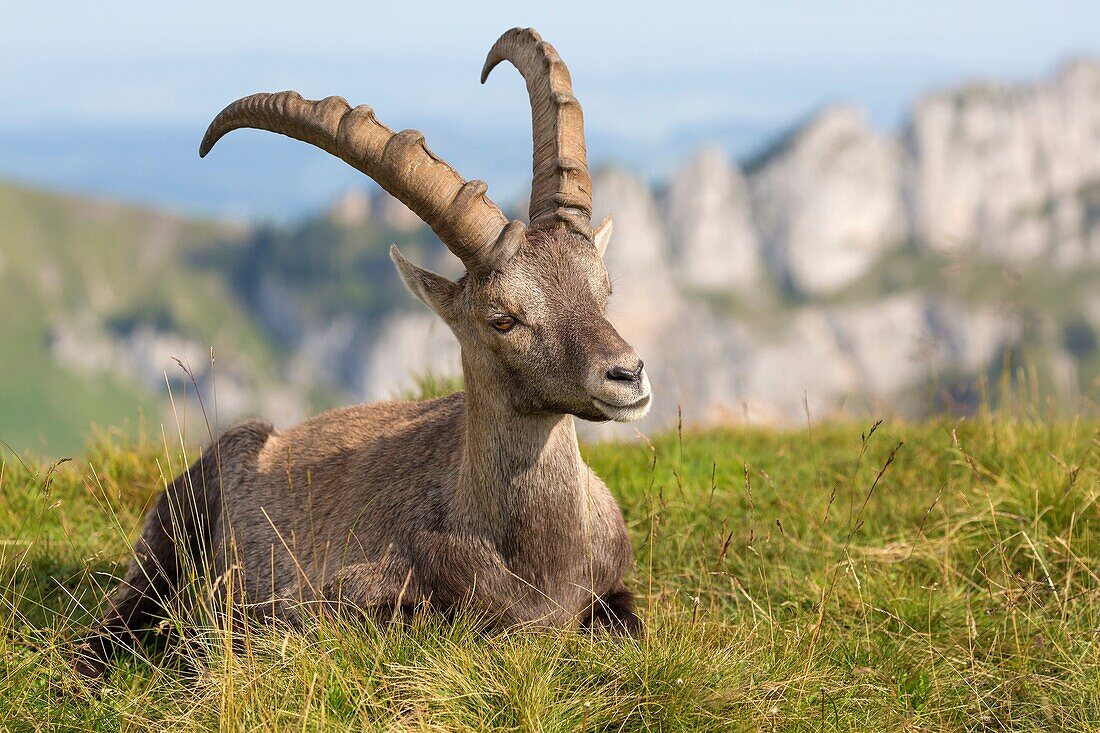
x=153 y=358
x=888 y=343
x=1011 y=171
x=713 y=241
x=827 y=201
x=410 y=345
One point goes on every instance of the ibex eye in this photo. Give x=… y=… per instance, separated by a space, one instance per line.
x=504 y=324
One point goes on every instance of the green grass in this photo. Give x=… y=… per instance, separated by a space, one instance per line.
x=428 y=385
x=932 y=576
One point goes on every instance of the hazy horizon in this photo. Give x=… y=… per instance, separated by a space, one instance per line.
x=114 y=103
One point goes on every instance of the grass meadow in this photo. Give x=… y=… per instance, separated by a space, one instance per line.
x=926 y=576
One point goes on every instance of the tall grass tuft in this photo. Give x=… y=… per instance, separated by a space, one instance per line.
x=428 y=385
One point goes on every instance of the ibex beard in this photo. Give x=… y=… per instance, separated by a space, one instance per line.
x=479 y=501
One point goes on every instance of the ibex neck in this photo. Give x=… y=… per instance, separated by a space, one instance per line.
x=520 y=474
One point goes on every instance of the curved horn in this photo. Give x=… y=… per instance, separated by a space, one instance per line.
x=458 y=211
x=561 y=189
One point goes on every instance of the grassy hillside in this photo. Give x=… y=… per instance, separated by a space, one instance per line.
x=931 y=576
x=68 y=259
x=98 y=270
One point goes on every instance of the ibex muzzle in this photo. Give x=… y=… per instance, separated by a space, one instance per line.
x=477 y=501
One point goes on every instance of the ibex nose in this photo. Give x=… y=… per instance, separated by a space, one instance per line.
x=622 y=374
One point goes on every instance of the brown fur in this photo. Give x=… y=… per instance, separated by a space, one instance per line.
x=477 y=501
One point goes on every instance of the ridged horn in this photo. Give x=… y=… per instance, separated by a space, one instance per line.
x=561 y=188
x=458 y=211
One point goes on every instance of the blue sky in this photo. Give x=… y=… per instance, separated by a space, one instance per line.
x=654 y=77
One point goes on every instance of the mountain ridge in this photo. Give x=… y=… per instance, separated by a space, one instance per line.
x=851 y=272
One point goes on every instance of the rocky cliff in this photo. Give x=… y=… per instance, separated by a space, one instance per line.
x=845 y=270
x=827 y=201
x=842 y=270
x=712 y=238
x=1011 y=171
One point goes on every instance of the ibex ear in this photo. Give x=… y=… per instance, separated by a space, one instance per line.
x=603 y=234
x=435 y=291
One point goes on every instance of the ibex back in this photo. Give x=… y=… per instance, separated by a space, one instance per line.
x=479 y=501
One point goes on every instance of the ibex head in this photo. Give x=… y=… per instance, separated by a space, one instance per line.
x=529 y=313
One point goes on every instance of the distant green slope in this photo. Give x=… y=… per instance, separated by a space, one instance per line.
x=64 y=258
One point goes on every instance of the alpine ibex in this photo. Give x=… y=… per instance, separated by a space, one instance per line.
x=479 y=501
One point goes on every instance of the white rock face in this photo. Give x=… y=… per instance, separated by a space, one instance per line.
x=151 y=358
x=324 y=352
x=971 y=337
x=144 y=355
x=803 y=365
x=828 y=201
x=714 y=243
x=886 y=343
x=409 y=345
x=1013 y=172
